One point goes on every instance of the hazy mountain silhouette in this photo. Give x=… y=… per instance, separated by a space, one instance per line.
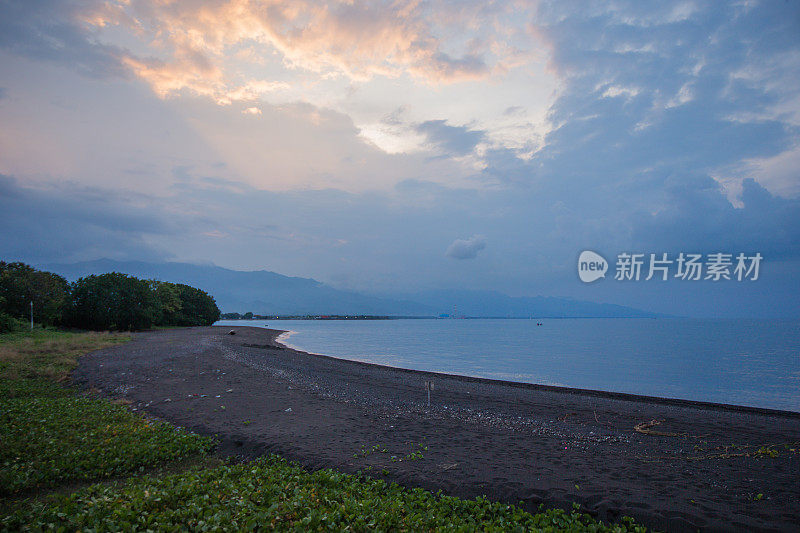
x=268 y=293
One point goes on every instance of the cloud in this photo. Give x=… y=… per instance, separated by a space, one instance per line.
x=466 y=248
x=191 y=42
x=780 y=173
x=50 y=30
x=207 y=48
x=67 y=222
x=452 y=140
x=329 y=54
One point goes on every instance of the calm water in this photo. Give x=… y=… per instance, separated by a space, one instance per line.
x=740 y=362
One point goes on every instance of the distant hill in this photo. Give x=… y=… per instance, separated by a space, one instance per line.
x=268 y=293
x=260 y=291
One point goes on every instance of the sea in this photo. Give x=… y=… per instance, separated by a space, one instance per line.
x=742 y=362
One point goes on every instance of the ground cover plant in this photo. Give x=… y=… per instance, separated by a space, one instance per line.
x=272 y=493
x=52 y=435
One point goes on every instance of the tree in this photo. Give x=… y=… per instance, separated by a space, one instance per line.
x=21 y=284
x=99 y=302
x=169 y=303
x=112 y=301
x=198 y=307
x=7 y=322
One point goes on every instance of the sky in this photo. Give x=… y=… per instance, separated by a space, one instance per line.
x=404 y=146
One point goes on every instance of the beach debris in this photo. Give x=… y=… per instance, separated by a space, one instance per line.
x=229 y=390
x=644 y=428
x=746 y=450
x=289 y=410
x=757 y=451
x=232 y=332
x=218 y=395
x=448 y=466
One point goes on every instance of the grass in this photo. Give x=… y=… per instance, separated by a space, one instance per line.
x=48 y=354
x=52 y=437
x=271 y=493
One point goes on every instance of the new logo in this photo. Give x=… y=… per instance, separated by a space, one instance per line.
x=591 y=266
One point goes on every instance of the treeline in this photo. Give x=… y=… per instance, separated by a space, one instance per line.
x=250 y=316
x=111 y=301
x=247 y=316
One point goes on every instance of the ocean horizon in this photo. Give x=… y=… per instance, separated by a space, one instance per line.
x=753 y=363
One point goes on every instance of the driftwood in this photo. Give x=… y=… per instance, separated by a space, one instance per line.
x=644 y=428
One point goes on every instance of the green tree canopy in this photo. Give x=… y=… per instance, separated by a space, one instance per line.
x=21 y=284
x=112 y=301
x=99 y=302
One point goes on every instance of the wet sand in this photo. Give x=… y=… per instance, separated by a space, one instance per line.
x=699 y=467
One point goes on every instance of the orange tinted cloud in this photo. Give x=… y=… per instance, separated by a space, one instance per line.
x=194 y=45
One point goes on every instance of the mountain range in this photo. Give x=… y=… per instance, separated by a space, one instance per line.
x=269 y=293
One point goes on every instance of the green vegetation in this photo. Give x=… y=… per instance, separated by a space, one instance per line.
x=415 y=454
x=365 y=451
x=46 y=354
x=50 y=435
x=271 y=493
x=119 y=301
x=111 y=301
x=21 y=284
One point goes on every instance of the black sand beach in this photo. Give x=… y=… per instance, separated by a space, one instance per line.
x=700 y=467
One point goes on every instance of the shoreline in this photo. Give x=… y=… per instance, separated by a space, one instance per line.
x=627 y=396
x=698 y=466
